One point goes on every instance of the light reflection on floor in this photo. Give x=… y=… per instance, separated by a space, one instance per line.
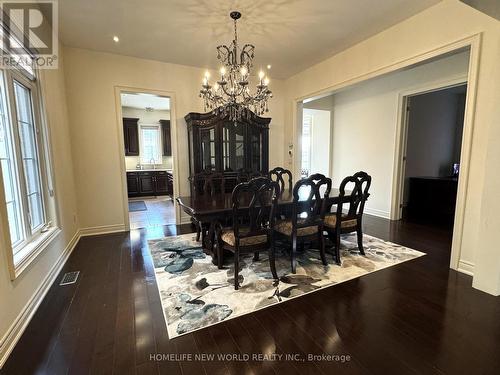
x=160 y=211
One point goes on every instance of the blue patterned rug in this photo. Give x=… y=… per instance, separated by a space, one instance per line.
x=196 y=294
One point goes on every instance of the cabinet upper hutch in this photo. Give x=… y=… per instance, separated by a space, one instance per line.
x=220 y=145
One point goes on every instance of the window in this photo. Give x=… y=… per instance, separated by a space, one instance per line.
x=150 y=138
x=24 y=178
x=305 y=167
x=29 y=203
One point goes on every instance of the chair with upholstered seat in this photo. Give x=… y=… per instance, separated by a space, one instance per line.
x=254 y=208
x=341 y=222
x=277 y=174
x=308 y=210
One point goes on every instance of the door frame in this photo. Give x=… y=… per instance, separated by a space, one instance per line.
x=473 y=44
x=402 y=138
x=173 y=135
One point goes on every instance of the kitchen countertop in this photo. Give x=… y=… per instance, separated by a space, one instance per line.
x=151 y=170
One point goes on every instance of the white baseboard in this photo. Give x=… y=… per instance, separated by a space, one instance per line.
x=17 y=328
x=466 y=267
x=104 y=229
x=379 y=213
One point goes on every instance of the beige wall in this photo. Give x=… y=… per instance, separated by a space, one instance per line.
x=19 y=297
x=91 y=78
x=440 y=25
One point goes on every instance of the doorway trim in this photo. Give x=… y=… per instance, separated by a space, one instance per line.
x=402 y=137
x=173 y=134
x=473 y=43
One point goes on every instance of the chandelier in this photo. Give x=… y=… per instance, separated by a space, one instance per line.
x=230 y=95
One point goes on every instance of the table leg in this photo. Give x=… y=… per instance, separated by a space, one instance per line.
x=210 y=243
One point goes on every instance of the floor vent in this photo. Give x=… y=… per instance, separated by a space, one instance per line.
x=69 y=278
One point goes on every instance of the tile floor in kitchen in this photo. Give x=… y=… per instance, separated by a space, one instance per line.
x=160 y=211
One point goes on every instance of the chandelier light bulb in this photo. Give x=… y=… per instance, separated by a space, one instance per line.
x=266 y=81
x=243 y=71
x=216 y=86
x=261 y=75
x=222 y=71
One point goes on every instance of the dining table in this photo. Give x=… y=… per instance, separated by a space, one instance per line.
x=218 y=208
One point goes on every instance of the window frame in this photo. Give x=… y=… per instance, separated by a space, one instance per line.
x=307 y=147
x=33 y=241
x=157 y=127
x=12 y=157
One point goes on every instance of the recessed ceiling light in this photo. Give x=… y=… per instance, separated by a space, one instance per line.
x=269 y=66
x=116 y=39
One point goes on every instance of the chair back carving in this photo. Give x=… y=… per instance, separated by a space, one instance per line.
x=247 y=175
x=254 y=204
x=277 y=174
x=360 y=183
x=208 y=183
x=309 y=202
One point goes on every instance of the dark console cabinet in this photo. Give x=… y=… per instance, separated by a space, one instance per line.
x=432 y=200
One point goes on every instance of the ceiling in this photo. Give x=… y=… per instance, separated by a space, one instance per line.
x=143 y=101
x=291 y=35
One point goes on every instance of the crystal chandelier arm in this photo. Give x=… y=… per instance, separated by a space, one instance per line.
x=247 y=55
x=224 y=54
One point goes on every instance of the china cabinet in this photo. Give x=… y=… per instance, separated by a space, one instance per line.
x=217 y=144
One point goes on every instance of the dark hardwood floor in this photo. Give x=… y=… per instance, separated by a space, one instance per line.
x=418 y=317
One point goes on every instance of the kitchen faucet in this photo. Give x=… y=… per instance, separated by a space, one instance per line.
x=152 y=161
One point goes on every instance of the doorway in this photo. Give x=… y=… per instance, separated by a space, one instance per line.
x=315 y=142
x=431 y=155
x=148 y=159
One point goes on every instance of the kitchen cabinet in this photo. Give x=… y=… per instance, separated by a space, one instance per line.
x=166 y=139
x=161 y=182
x=133 y=184
x=149 y=183
x=170 y=184
x=146 y=183
x=131 y=136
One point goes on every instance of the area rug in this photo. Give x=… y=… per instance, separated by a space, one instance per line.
x=135 y=206
x=196 y=294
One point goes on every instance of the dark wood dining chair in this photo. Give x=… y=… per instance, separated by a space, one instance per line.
x=308 y=211
x=254 y=207
x=245 y=175
x=215 y=183
x=341 y=222
x=278 y=174
x=205 y=183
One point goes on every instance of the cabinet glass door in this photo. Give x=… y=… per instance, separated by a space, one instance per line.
x=233 y=146
x=255 y=149
x=207 y=137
